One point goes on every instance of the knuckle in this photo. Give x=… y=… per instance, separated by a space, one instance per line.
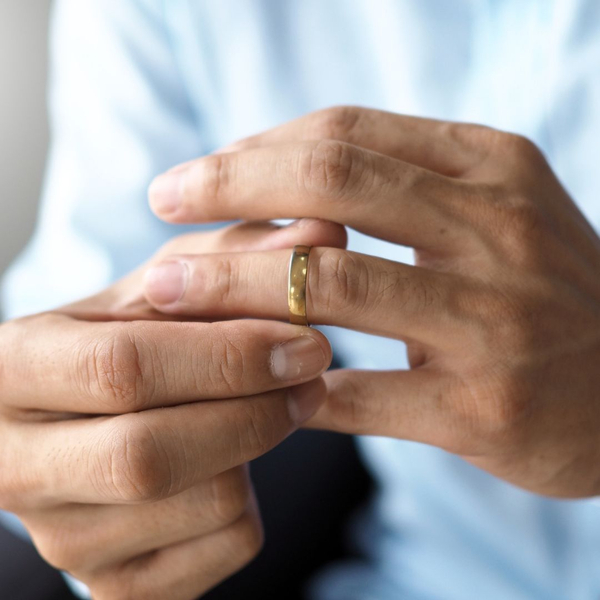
x=340 y=283
x=502 y=412
x=114 y=372
x=212 y=175
x=60 y=548
x=226 y=280
x=523 y=216
x=226 y=364
x=494 y=408
x=134 y=468
x=258 y=430
x=465 y=134
x=335 y=123
x=525 y=220
x=230 y=497
x=518 y=150
x=329 y=168
x=474 y=140
x=517 y=227
x=524 y=232
x=520 y=146
x=469 y=136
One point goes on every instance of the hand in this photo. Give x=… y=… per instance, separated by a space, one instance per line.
x=501 y=313
x=124 y=472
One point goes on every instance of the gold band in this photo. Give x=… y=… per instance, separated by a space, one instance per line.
x=297 y=285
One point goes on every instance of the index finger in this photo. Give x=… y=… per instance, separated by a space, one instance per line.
x=343 y=289
x=59 y=364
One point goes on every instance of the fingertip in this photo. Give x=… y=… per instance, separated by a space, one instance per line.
x=334 y=234
x=298 y=359
x=306 y=399
x=165 y=283
x=306 y=231
x=165 y=194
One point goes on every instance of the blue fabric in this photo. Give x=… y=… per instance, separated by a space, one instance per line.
x=139 y=85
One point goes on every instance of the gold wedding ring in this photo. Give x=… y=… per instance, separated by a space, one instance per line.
x=297 y=285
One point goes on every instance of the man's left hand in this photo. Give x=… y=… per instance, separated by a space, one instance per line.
x=501 y=312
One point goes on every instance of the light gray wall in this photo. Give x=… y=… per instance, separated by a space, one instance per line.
x=23 y=128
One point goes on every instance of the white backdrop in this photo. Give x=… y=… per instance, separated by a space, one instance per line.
x=23 y=128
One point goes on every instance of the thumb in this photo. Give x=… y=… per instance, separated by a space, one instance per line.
x=264 y=235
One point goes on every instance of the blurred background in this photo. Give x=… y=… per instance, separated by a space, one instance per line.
x=23 y=125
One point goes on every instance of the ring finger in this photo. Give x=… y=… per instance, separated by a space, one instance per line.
x=344 y=288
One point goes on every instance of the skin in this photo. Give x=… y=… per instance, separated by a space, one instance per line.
x=124 y=435
x=501 y=312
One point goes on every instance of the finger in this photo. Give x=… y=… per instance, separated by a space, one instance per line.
x=417 y=405
x=147 y=456
x=346 y=289
x=188 y=569
x=98 y=536
x=452 y=149
x=124 y=301
x=257 y=235
x=373 y=193
x=59 y=364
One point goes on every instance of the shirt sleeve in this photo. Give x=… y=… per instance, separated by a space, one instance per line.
x=119 y=115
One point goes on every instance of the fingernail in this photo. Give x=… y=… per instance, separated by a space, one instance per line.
x=165 y=283
x=305 y=222
x=304 y=400
x=165 y=191
x=298 y=359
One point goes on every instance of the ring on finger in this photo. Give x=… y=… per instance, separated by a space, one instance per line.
x=297 y=278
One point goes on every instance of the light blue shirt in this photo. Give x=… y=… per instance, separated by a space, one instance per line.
x=139 y=85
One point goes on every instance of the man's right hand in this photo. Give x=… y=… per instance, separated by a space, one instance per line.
x=124 y=434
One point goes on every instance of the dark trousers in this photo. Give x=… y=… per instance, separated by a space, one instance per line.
x=306 y=487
